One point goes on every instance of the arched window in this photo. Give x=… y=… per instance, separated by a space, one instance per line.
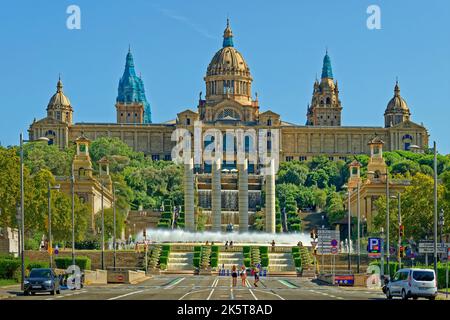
x=328 y=101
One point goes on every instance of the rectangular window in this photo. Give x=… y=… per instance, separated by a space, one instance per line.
x=155 y=157
x=167 y=157
x=289 y=158
x=331 y=158
x=302 y=158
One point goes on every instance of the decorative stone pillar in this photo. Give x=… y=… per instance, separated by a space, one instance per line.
x=243 y=196
x=216 y=198
x=270 y=198
x=189 y=196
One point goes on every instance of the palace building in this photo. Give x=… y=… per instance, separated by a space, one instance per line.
x=230 y=104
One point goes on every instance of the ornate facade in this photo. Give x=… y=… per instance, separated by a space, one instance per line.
x=230 y=104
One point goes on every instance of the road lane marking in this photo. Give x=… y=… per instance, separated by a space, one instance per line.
x=191 y=292
x=288 y=284
x=174 y=283
x=231 y=294
x=253 y=294
x=213 y=286
x=275 y=294
x=126 y=295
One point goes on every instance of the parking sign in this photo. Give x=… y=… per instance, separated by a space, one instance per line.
x=374 y=248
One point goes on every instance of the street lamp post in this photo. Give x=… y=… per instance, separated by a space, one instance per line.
x=349 y=234
x=22 y=207
x=50 y=244
x=72 y=190
x=399 y=230
x=103 y=232
x=388 y=251
x=435 y=208
x=114 y=221
x=359 y=227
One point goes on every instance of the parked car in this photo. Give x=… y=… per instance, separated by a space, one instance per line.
x=412 y=283
x=42 y=280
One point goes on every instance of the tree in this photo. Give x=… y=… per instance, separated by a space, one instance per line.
x=293 y=172
x=417 y=207
x=9 y=186
x=40 y=156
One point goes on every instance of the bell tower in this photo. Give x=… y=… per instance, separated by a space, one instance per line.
x=325 y=108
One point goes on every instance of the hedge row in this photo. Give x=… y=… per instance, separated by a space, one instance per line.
x=246 y=249
x=247 y=262
x=298 y=262
x=8 y=267
x=84 y=263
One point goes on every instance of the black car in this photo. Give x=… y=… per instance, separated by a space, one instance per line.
x=42 y=280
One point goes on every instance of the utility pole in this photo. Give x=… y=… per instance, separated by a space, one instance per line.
x=103 y=232
x=387 y=225
x=72 y=188
x=349 y=214
x=435 y=208
x=399 y=230
x=359 y=228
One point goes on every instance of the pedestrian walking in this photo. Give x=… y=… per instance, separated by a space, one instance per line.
x=231 y=244
x=234 y=275
x=243 y=275
x=226 y=245
x=256 y=274
x=273 y=245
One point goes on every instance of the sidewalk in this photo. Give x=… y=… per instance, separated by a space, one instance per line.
x=9 y=291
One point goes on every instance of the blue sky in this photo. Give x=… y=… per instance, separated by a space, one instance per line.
x=173 y=41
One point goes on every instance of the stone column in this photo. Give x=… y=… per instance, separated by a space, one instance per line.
x=270 y=198
x=189 y=196
x=216 y=198
x=243 y=196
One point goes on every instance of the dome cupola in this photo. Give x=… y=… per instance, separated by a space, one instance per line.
x=228 y=74
x=59 y=106
x=397 y=110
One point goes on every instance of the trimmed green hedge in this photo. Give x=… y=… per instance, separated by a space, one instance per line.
x=295 y=249
x=265 y=261
x=166 y=247
x=163 y=225
x=64 y=262
x=247 y=262
x=246 y=249
x=8 y=267
x=214 y=262
x=197 y=249
x=215 y=249
x=37 y=265
x=196 y=262
x=295 y=227
x=263 y=250
x=279 y=228
x=163 y=260
x=298 y=262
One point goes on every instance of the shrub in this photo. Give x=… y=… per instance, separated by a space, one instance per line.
x=265 y=261
x=197 y=249
x=196 y=262
x=180 y=225
x=246 y=249
x=247 y=262
x=214 y=262
x=263 y=250
x=298 y=262
x=37 y=265
x=163 y=225
x=295 y=227
x=88 y=245
x=84 y=263
x=214 y=255
x=166 y=215
x=8 y=267
x=279 y=228
x=166 y=247
x=295 y=249
x=163 y=266
x=32 y=244
x=296 y=255
x=215 y=249
x=163 y=260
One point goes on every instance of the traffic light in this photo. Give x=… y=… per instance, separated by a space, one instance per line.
x=402 y=230
x=402 y=251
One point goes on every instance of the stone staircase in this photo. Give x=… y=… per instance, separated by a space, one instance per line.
x=180 y=261
x=228 y=259
x=281 y=262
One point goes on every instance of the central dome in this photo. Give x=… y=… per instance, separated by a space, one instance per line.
x=228 y=61
x=397 y=103
x=59 y=99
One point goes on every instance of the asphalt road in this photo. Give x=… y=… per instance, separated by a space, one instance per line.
x=213 y=288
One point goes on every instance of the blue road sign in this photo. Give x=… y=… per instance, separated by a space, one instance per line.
x=374 y=247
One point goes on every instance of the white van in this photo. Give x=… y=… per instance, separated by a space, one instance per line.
x=413 y=283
